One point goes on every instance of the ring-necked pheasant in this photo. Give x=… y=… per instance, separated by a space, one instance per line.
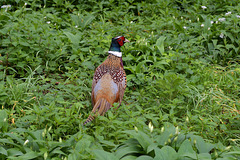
x=109 y=81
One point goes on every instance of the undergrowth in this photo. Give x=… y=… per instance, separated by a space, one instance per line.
x=183 y=72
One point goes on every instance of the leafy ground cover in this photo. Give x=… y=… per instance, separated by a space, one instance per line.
x=182 y=97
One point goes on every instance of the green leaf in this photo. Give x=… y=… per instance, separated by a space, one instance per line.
x=144 y=157
x=3 y=151
x=163 y=138
x=130 y=157
x=103 y=155
x=160 y=155
x=204 y=156
x=189 y=155
x=160 y=44
x=172 y=154
x=15 y=137
x=75 y=39
x=3 y=121
x=142 y=138
x=123 y=151
x=232 y=153
x=165 y=153
x=28 y=155
x=201 y=145
x=14 y=152
x=186 y=149
x=152 y=147
x=140 y=66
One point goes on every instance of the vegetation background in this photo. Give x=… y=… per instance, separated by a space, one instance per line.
x=183 y=93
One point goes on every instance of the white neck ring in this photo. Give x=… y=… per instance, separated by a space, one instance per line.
x=116 y=53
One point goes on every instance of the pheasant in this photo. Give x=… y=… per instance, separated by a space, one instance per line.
x=109 y=81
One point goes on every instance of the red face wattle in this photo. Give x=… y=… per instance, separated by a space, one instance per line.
x=121 y=40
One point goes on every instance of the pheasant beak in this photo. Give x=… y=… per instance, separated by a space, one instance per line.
x=126 y=40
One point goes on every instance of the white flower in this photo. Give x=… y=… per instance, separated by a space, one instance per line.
x=227 y=148
x=131 y=22
x=184 y=27
x=216 y=22
x=177 y=130
x=190 y=20
x=228 y=13
x=237 y=16
x=203 y=7
x=162 y=129
x=197 y=19
x=221 y=35
x=187 y=119
x=6 y=6
x=202 y=25
x=212 y=22
x=25 y=4
x=150 y=126
x=136 y=129
x=208 y=28
x=76 y=26
x=48 y=22
x=45 y=155
x=181 y=17
x=222 y=19
x=26 y=142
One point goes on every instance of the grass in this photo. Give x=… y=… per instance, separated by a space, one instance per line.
x=182 y=65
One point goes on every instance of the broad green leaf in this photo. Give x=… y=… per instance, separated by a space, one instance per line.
x=140 y=66
x=14 y=152
x=172 y=154
x=163 y=137
x=165 y=153
x=103 y=155
x=129 y=157
x=232 y=153
x=142 y=138
x=128 y=150
x=202 y=146
x=3 y=151
x=3 y=120
x=75 y=39
x=58 y=151
x=204 y=156
x=189 y=156
x=144 y=157
x=160 y=155
x=15 y=137
x=7 y=141
x=226 y=158
x=186 y=149
x=160 y=44
x=28 y=155
x=152 y=147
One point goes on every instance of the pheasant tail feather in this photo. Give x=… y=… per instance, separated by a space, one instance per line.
x=101 y=106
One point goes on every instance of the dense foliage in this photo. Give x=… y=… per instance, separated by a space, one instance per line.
x=182 y=97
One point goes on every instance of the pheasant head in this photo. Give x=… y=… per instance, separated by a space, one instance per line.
x=117 y=42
